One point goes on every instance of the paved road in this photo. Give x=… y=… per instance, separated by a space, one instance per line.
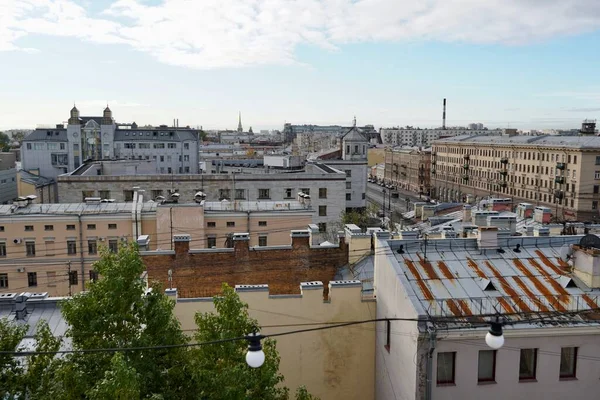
x=375 y=195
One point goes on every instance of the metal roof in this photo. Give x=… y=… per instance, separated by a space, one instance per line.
x=459 y=280
x=575 y=142
x=47 y=135
x=73 y=208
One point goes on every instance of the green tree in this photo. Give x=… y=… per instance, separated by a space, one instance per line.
x=221 y=368
x=4 y=142
x=116 y=312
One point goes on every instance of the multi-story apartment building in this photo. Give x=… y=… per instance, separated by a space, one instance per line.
x=410 y=136
x=560 y=172
x=290 y=131
x=56 y=150
x=408 y=168
x=51 y=247
x=326 y=187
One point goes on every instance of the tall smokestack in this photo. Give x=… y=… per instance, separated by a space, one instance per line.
x=444 y=116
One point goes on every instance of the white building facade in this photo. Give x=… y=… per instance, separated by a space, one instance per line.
x=424 y=137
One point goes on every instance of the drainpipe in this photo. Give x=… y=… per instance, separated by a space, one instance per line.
x=429 y=376
x=81 y=252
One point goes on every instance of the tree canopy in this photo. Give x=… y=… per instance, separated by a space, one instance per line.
x=117 y=311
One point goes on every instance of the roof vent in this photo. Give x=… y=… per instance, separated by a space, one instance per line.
x=400 y=249
x=517 y=249
x=486 y=285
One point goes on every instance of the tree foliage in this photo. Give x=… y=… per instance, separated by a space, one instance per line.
x=4 y=142
x=118 y=312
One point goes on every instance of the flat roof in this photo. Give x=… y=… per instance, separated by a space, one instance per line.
x=575 y=142
x=73 y=208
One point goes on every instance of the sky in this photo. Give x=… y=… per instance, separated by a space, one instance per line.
x=526 y=64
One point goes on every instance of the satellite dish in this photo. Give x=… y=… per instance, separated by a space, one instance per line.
x=565 y=252
x=590 y=241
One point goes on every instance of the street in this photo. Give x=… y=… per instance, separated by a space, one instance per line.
x=375 y=195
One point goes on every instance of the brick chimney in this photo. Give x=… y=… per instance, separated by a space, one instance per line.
x=300 y=238
x=241 y=245
x=487 y=238
x=181 y=244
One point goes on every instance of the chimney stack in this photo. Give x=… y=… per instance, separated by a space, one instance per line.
x=181 y=244
x=21 y=306
x=444 y=116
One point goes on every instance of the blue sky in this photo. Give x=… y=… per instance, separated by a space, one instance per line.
x=389 y=62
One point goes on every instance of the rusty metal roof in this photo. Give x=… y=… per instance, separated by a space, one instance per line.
x=457 y=279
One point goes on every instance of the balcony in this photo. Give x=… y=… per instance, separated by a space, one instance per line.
x=466 y=166
x=467 y=157
x=504 y=160
x=559 y=194
x=403 y=165
x=433 y=172
x=503 y=172
x=559 y=179
x=561 y=166
x=465 y=177
x=433 y=162
x=502 y=184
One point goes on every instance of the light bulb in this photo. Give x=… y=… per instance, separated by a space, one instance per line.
x=495 y=342
x=255 y=358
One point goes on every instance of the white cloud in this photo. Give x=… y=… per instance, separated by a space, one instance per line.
x=233 y=33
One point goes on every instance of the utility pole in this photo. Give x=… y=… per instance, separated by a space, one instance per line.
x=69 y=279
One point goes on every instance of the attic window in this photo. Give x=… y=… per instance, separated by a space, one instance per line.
x=571 y=284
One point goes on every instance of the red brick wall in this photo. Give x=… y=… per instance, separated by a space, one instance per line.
x=201 y=274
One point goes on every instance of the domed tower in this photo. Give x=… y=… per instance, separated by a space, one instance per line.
x=354 y=144
x=107 y=118
x=74 y=118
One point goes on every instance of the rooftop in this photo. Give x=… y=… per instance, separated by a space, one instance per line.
x=243 y=206
x=575 y=142
x=156 y=134
x=72 y=209
x=458 y=279
x=48 y=135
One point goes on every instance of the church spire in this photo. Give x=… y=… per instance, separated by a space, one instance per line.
x=240 y=129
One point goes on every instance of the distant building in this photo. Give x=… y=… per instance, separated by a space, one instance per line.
x=411 y=136
x=57 y=150
x=290 y=131
x=29 y=183
x=8 y=177
x=408 y=168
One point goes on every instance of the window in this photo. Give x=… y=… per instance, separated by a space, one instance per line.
x=186 y=170
x=348 y=185
x=596 y=189
x=112 y=226
x=568 y=360
x=364 y=196
x=159 y=145
x=594 y=205
x=49 y=247
x=48 y=227
x=262 y=241
x=128 y=195
x=113 y=246
x=3 y=281
x=211 y=241
x=28 y=146
x=186 y=158
x=322 y=193
x=527 y=364
x=263 y=194
x=104 y=194
x=240 y=194
x=230 y=224
x=262 y=223
x=211 y=224
x=91 y=227
x=72 y=277
x=2 y=249
x=144 y=145
x=28 y=228
x=156 y=193
x=305 y=191
x=597 y=160
x=322 y=227
x=70 y=227
x=172 y=145
x=30 y=249
x=32 y=279
x=92 y=247
x=224 y=194
x=39 y=146
x=487 y=366
x=186 y=146
x=93 y=275
x=322 y=211
x=348 y=173
x=597 y=175
x=348 y=196
x=288 y=194
x=169 y=170
x=71 y=247
x=162 y=158
x=445 y=368
x=51 y=278
x=1 y=229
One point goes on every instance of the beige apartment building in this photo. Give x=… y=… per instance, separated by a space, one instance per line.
x=560 y=172
x=52 y=247
x=408 y=168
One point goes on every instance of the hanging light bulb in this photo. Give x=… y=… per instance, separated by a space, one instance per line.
x=255 y=357
x=494 y=338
